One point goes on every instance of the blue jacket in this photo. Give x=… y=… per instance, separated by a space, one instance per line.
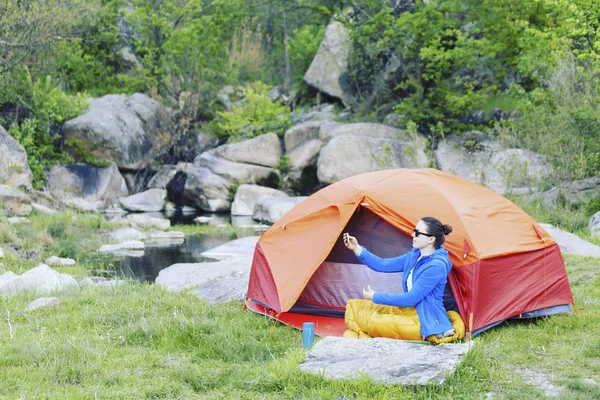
x=429 y=280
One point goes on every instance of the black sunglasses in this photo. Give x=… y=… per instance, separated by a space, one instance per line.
x=418 y=232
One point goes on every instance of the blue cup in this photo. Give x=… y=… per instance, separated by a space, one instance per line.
x=308 y=334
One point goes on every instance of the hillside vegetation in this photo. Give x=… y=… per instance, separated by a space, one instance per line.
x=432 y=62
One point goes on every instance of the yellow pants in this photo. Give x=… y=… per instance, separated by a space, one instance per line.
x=366 y=319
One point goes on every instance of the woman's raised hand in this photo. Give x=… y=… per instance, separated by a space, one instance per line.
x=350 y=242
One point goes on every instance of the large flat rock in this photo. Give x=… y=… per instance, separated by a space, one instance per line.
x=179 y=277
x=570 y=243
x=243 y=247
x=384 y=360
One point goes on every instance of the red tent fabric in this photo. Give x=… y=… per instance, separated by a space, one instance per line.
x=504 y=263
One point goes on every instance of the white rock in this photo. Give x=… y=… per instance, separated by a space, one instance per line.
x=147 y=222
x=127 y=245
x=43 y=209
x=80 y=205
x=7 y=276
x=124 y=234
x=47 y=302
x=41 y=279
x=18 y=220
x=54 y=260
x=1 y=253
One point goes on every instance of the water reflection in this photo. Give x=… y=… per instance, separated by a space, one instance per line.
x=161 y=253
x=155 y=258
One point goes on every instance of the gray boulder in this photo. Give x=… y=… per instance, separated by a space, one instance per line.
x=232 y=286
x=149 y=201
x=220 y=281
x=262 y=150
x=466 y=156
x=362 y=129
x=270 y=209
x=207 y=191
x=41 y=279
x=147 y=222
x=570 y=243
x=14 y=170
x=54 y=260
x=580 y=191
x=317 y=113
x=247 y=195
x=299 y=134
x=162 y=177
x=178 y=277
x=235 y=171
x=212 y=177
x=515 y=170
x=303 y=165
x=14 y=202
x=99 y=186
x=346 y=156
x=384 y=360
x=476 y=157
x=594 y=225
x=126 y=130
x=330 y=62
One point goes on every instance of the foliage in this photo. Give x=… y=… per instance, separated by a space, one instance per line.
x=245 y=53
x=304 y=43
x=284 y=165
x=50 y=108
x=256 y=115
x=561 y=122
x=28 y=28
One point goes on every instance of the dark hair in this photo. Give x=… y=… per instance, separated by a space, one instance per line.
x=437 y=229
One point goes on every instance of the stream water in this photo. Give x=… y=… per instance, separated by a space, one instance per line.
x=160 y=254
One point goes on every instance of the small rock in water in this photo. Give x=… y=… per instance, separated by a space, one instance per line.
x=124 y=234
x=48 y=302
x=18 y=220
x=203 y=220
x=54 y=260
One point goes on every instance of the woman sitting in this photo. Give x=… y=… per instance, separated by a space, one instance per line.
x=418 y=313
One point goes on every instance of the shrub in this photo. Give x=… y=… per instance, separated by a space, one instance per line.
x=256 y=115
x=49 y=108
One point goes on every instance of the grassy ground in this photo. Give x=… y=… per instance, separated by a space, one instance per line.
x=140 y=341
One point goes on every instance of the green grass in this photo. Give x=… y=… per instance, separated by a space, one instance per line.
x=141 y=341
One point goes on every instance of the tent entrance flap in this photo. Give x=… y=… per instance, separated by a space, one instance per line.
x=342 y=276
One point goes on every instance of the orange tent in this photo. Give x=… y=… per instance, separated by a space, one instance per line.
x=505 y=265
